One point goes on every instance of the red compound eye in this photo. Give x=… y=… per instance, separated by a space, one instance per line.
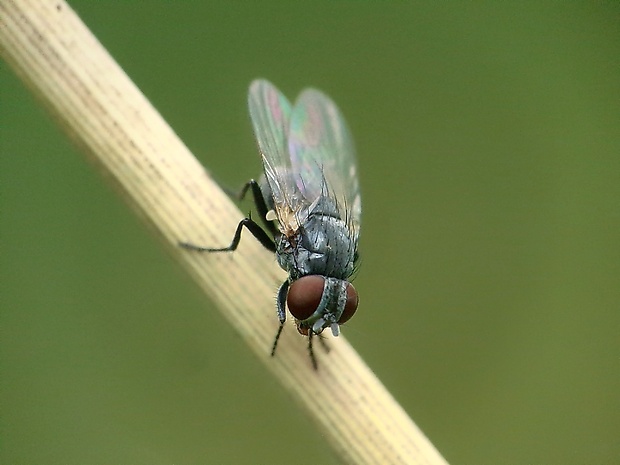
x=350 y=306
x=305 y=295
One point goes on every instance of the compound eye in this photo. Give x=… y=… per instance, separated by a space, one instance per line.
x=305 y=295
x=350 y=306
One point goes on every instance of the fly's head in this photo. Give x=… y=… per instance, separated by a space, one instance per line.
x=318 y=302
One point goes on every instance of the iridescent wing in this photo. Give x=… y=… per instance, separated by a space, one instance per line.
x=323 y=156
x=270 y=114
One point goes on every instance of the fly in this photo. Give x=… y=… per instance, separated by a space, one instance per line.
x=309 y=202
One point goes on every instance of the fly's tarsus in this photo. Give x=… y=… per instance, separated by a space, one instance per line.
x=275 y=341
x=315 y=365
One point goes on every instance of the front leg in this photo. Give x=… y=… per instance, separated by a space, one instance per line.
x=251 y=226
x=281 y=306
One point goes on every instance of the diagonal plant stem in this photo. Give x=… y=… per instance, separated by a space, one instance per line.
x=93 y=100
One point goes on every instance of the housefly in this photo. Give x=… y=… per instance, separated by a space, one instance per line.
x=309 y=202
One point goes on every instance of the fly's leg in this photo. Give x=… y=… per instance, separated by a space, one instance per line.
x=259 y=202
x=323 y=343
x=249 y=223
x=315 y=365
x=251 y=226
x=311 y=336
x=281 y=305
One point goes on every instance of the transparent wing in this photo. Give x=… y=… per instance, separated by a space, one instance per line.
x=270 y=114
x=323 y=156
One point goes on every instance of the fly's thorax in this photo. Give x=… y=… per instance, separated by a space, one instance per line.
x=322 y=245
x=331 y=248
x=319 y=302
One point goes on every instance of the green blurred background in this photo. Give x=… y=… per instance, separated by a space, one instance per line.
x=489 y=149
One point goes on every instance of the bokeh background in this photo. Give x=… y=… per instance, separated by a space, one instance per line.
x=489 y=150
